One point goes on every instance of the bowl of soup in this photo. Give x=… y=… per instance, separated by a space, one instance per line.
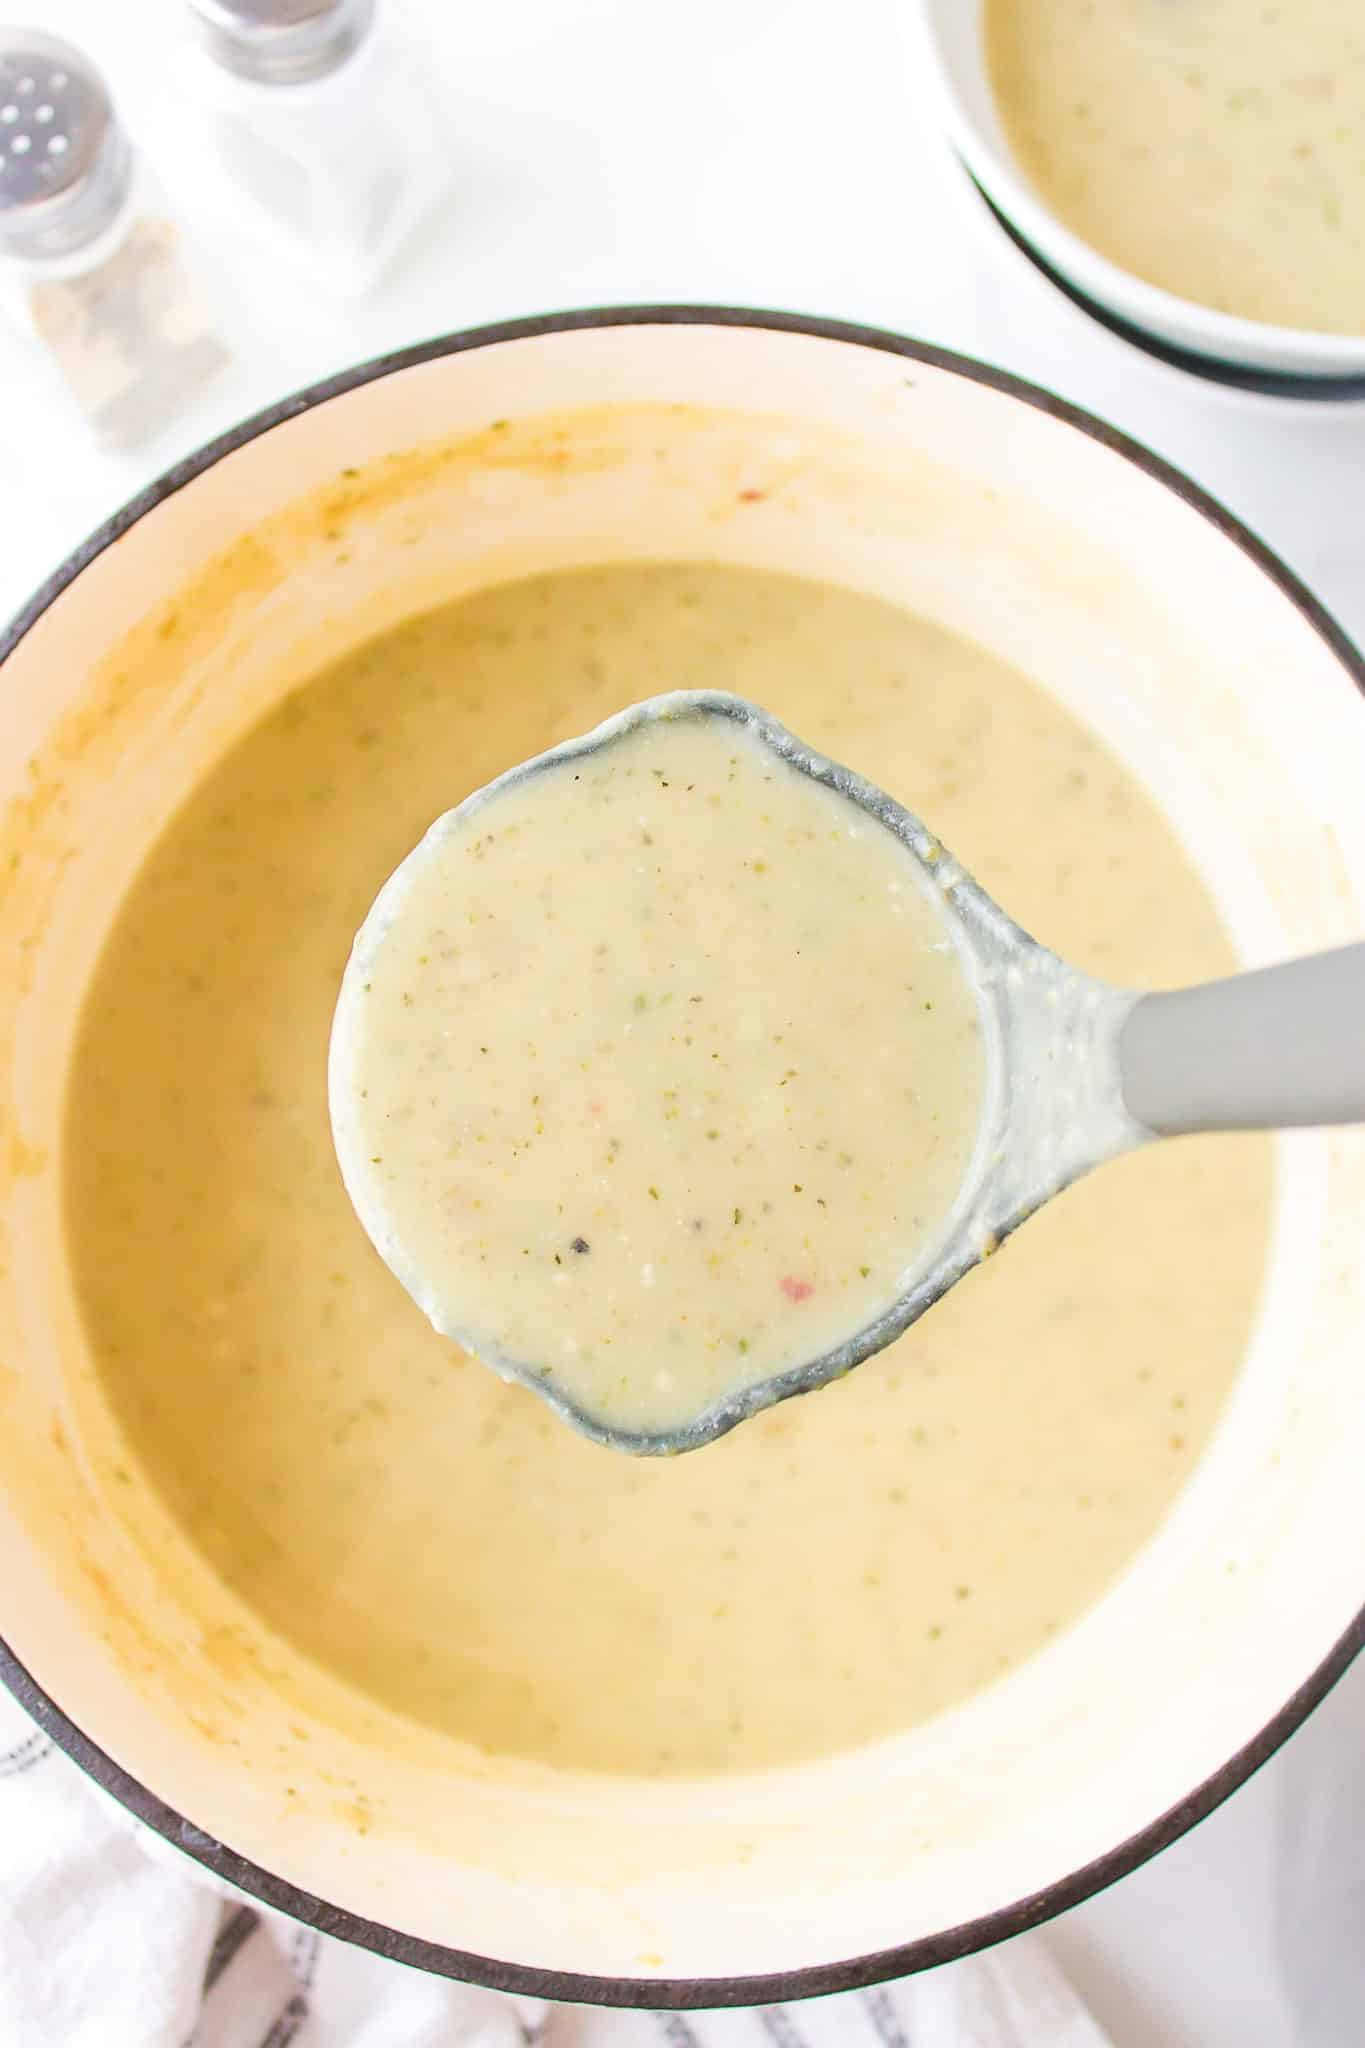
x=1194 y=175
x=890 y=1671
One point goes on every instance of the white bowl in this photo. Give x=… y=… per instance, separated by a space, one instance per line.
x=995 y=509
x=952 y=52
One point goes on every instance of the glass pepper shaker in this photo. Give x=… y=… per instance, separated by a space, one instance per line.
x=90 y=261
x=325 y=124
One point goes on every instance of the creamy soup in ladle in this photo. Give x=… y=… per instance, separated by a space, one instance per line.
x=657 y=1069
x=1213 y=147
x=843 y=1565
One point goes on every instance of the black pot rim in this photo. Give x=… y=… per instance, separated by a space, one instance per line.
x=854 y=1972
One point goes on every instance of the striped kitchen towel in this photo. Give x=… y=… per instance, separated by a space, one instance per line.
x=109 y=1939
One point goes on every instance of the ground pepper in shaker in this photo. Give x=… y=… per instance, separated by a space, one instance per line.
x=324 y=123
x=91 y=260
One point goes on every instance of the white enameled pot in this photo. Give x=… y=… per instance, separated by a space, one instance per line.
x=837 y=453
x=950 y=57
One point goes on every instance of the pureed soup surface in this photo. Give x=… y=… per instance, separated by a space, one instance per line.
x=1213 y=147
x=657 y=1070
x=840 y=1566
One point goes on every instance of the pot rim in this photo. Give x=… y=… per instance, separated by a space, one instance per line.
x=820 y=1979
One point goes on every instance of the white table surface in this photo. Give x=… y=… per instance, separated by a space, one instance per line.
x=782 y=153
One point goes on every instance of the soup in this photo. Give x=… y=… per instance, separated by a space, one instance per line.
x=656 y=1070
x=1211 y=147
x=842 y=1566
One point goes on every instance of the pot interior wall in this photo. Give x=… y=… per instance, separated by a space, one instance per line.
x=884 y=473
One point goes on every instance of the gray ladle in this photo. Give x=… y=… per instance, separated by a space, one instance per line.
x=1079 y=1071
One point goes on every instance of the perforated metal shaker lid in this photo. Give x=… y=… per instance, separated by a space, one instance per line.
x=282 y=42
x=65 y=163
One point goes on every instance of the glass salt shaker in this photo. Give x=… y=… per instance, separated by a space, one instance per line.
x=90 y=261
x=324 y=122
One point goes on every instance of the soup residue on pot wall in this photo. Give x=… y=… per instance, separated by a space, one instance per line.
x=839 y=1568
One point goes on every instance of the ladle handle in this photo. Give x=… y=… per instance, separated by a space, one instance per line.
x=1271 y=1050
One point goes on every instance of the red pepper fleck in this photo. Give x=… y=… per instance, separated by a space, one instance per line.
x=752 y=497
x=794 y=1289
x=596 y=1108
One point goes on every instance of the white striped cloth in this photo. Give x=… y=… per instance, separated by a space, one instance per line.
x=110 y=1940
